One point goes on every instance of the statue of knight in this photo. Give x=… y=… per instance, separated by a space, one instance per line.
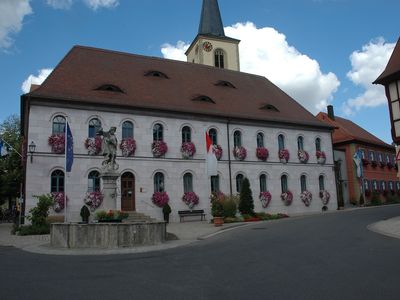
x=109 y=148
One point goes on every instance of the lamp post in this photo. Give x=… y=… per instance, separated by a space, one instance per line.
x=32 y=149
x=390 y=79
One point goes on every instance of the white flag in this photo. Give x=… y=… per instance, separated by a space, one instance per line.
x=211 y=159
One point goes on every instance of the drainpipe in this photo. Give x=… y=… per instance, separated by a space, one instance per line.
x=229 y=157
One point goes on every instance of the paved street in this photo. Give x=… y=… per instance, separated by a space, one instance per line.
x=330 y=256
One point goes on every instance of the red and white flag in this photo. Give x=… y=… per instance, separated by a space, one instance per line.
x=211 y=159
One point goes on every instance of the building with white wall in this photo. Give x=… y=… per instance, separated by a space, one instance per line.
x=158 y=100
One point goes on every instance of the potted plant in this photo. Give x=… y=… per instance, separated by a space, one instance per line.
x=190 y=199
x=188 y=149
x=303 y=156
x=85 y=213
x=265 y=198
x=321 y=157
x=325 y=196
x=93 y=145
x=218 y=151
x=217 y=209
x=93 y=199
x=160 y=198
x=240 y=153
x=284 y=155
x=262 y=153
x=128 y=147
x=287 y=198
x=166 y=211
x=57 y=143
x=159 y=148
x=306 y=197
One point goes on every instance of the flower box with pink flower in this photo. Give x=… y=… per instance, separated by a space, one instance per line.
x=93 y=199
x=160 y=198
x=283 y=155
x=262 y=153
x=128 y=147
x=321 y=157
x=306 y=197
x=265 y=198
x=302 y=156
x=325 y=196
x=159 y=148
x=57 y=143
x=190 y=199
x=240 y=153
x=218 y=151
x=93 y=145
x=59 y=201
x=287 y=198
x=188 y=149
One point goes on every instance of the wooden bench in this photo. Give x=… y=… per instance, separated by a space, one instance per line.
x=191 y=213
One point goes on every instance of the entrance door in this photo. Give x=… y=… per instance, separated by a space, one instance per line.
x=128 y=192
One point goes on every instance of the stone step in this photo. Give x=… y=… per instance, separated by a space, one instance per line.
x=138 y=217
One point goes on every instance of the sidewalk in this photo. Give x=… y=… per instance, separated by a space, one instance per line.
x=186 y=233
x=389 y=227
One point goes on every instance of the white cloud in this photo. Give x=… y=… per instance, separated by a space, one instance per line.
x=95 y=4
x=12 y=13
x=367 y=65
x=60 y=4
x=32 y=79
x=265 y=51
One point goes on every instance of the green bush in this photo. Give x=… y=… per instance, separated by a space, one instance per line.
x=229 y=206
x=246 y=205
x=41 y=211
x=375 y=200
x=34 y=230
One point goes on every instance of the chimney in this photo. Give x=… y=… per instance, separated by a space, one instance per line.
x=331 y=113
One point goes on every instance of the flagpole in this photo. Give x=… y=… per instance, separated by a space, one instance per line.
x=65 y=177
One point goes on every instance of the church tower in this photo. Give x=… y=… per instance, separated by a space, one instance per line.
x=211 y=47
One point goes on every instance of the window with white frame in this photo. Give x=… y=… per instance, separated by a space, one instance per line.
x=58 y=126
x=159 y=182
x=187 y=183
x=94 y=181
x=127 y=130
x=263 y=183
x=284 y=183
x=260 y=140
x=57 y=181
x=94 y=127
x=281 y=142
x=303 y=183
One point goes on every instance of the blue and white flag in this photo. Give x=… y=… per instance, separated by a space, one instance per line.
x=357 y=158
x=69 y=153
x=3 y=150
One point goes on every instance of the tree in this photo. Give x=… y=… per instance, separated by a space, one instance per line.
x=10 y=165
x=246 y=204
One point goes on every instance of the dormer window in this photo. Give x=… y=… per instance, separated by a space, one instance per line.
x=225 y=84
x=269 y=107
x=110 y=88
x=154 y=73
x=203 y=98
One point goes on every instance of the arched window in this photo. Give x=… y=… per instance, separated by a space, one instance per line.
x=158 y=132
x=366 y=185
x=383 y=185
x=94 y=127
x=375 y=185
x=237 y=139
x=263 y=183
x=303 y=183
x=300 y=143
x=239 y=181
x=321 y=181
x=260 y=140
x=159 y=182
x=215 y=184
x=127 y=130
x=281 y=142
x=94 y=181
x=391 y=186
x=284 y=183
x=213 y=136
x=186 y=134
x=57 y=181
x=219 y=58
x=317 y=144
x=58 y=125
x=372 y=155
x=187 y=183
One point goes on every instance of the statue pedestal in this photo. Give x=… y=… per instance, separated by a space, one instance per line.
x=109 y=190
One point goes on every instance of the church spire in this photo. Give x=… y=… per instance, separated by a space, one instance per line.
x=210 y=20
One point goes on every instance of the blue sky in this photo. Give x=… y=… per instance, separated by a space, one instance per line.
x=319 y=51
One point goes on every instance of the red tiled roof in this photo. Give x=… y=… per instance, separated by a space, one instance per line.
x=85 y=69
x=347 y=131
x=392 y=68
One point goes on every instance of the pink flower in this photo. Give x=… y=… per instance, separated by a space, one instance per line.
x=262 y=153
x=303 y=156
x=218 y=151
x=159 y=148
x=240 y=153
x=190 y=199
x=188 y=149
x=287 y=198
x=128 y=147
x=93 y=199
x=59 y=201
x=306 y=197
x=265 y=198
x=325 y=196
x=93 y=145
x=57 y=143
x=320 y=154
x=160 y=198
x=284 y=154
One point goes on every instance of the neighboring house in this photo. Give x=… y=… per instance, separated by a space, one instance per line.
x=153 y=100
x=379 y=167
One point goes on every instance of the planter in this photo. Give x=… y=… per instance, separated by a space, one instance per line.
x=321 y=160
x=218 y=221
x=110 y=221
